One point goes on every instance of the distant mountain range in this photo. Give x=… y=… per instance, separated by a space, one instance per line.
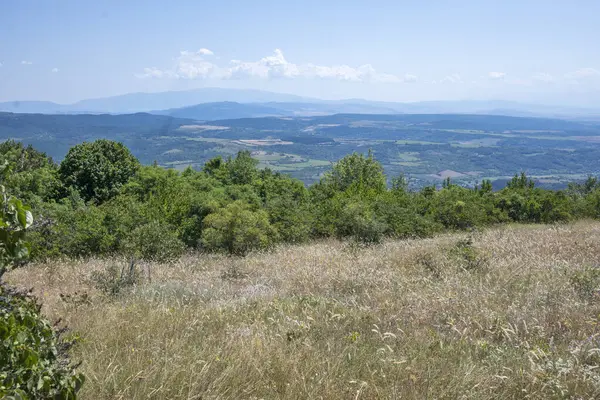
x=219 y=103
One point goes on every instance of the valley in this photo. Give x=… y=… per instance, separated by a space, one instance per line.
x=426 y=148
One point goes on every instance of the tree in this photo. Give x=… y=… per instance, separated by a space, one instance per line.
x=242 y=169
x=34 y=175
x=98 y=169
x=521 y=182
x=23 y=158
x=356 y=170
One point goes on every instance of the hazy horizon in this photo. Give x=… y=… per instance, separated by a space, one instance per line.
x=309 y=98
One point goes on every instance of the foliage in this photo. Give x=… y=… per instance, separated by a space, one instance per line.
x=231 y=205
x=114 y=280
x=586 y=282
x=98 y=169
x=33 y=357
x=468 y=257
x=358 y=221
x=15 y=218
x=356 y=170
x=154 y=241
x=34 y=175
x=237 y=229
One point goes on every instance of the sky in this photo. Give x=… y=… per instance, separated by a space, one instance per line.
x=392 y=50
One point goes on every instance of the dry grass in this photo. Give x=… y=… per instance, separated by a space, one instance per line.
x=404 y=320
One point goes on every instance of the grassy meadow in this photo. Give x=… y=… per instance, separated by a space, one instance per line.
x=506 y=313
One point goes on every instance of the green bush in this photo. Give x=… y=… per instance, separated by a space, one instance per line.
x=358 y=171
x=468 y=257
x=154 y=241
x=456 y=207
x=237 y=229
x=33 y=358
x=358 y=221
x=587 y=282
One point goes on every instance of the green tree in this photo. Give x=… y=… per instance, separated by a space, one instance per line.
x=98 y=169
x=34 y=176
x=356 y=170
x=286 y=201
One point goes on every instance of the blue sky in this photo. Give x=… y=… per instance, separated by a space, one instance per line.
x=527 y=50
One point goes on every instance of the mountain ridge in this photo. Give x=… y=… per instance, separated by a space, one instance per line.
x=286 y=105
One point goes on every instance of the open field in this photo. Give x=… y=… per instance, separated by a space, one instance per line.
x=516 y=315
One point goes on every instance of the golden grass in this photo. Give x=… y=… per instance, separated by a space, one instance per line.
x=403 y=320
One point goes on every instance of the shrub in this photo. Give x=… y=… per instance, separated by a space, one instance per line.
x=33 y=358
x=237 y=230
x=15 y=218
x=587 y=282
x=460 y=208
x=468 y=257
x=358 y=171
x=154 y=241
x=113 y=280
x=360 y=223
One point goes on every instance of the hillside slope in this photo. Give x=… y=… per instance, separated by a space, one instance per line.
x=513 y=313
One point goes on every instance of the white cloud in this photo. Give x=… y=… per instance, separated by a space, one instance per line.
x=543 y=77
x=454 y=78
x=26 y=62
x=409 y=78
x=205 y=52
x=583 y=73
x=54 y=69
x=201 y=52
x=154 y=72
x=193 y=65
x=497 y=75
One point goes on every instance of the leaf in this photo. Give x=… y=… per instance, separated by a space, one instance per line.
x=28 y=219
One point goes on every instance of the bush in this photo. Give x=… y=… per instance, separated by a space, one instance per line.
x=154 y=241
x=468 y=257
x=587 y=282
x=237 y=230
x=33 y=357
x=113 y=280
x=356 y=170
x=460 y=208
x=360 y=223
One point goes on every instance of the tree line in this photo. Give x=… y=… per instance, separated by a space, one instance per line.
x=101 y=201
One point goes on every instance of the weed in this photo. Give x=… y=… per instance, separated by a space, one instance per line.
x=113 y=280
